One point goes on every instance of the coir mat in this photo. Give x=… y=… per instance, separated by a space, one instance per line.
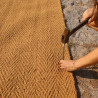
x=31 y=49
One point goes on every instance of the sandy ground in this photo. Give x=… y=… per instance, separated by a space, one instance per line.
x=81 y=43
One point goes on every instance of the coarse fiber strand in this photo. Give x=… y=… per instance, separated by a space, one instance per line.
x=31 y=49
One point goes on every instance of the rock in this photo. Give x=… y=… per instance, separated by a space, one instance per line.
x=82 y=42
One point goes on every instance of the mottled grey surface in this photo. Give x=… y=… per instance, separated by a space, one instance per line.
x=81 y=43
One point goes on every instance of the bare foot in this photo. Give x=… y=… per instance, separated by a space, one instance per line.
x=68 y=65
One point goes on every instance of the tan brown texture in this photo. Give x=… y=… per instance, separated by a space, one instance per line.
x=30 y=50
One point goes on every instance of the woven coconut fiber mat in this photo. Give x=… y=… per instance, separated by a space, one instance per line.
x=31 y=49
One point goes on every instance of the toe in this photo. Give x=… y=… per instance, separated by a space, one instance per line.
x=61 y=61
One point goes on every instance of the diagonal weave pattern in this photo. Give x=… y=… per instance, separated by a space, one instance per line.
x=30 y=50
